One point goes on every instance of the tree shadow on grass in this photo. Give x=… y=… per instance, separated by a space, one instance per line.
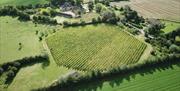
x=45 y=63
x=117 y=79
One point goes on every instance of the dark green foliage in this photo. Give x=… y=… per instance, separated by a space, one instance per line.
x=60 y=2
x=172 y=35
x=44 y=20
x=23 y=16
x=109 y=17
x=90 y=6
x=12 y=11
x=174 y=48
x=82 y=22
x=1 y=70
x=155 y=27
x=10 y=74
x=66 y=23
x=52 y=12
x=8 y=10
x=106 y=2
x=11 y=68
x=132 y=16
x=98 y=7
x=94 y=20
x=45 y=13
x=40 y=38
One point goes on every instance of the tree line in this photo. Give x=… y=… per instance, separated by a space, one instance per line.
x=11 y=68
x=64 y=83
x=12 y=11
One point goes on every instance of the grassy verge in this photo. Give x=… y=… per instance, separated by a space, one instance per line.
x=22 y=2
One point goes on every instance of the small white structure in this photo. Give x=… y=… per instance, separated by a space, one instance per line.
x=68 y=14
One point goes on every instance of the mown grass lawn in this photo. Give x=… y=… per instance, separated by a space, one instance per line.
x=37 y=76
x=13 y=32
x=22 y=2
x=33 y=76
x=170 y=26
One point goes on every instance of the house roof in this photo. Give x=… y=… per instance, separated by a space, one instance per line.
x=69 y=13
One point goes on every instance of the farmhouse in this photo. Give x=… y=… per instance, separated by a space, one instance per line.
x=71 y=11
x=68 y=14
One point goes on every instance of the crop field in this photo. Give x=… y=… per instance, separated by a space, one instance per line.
x=160 y=79
x=161 y=9
x=22 y=2
x=95 y=47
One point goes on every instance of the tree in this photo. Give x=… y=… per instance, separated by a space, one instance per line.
x=94 y=20
x=109 y=16
x=79 y=2
x=96 y=1
x=60 y=2
x=91 y=6
x=132 y=16
x=155 y=27
x=173 y=34
x=98 y=7
x=1 y=70
x=174 y=48
x=24 y=16
x=106 y=2
x=20 y=46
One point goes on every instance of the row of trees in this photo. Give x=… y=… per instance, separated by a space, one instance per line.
x=132 y=16
x=60 y=2
x=163 y=43
x=63 y=83
x=44 y=20
x=12 y=11
x=30 y=6
x=11 y=68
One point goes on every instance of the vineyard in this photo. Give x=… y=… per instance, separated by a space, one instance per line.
x=98 y=47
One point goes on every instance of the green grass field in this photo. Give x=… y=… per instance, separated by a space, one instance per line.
x=37 y=76
x=95 y=47
x=170 y=26
x=22 y=2
x=13 y=32
x=159 y=79
x=34 y=76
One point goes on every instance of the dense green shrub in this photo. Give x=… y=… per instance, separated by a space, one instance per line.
x=132 y=16
x=109 y=17
x=12 y=11
x=1 y=70
x=44 y=20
